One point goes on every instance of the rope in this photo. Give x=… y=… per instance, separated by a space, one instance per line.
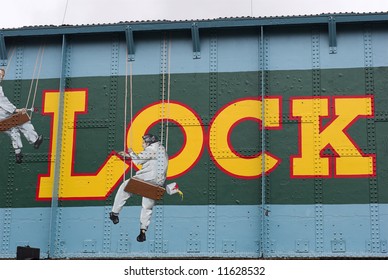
x=10 y=58
x=131 y=109
x=37 y=82
x=39 y=59
x=33 y=77
x=126 y=110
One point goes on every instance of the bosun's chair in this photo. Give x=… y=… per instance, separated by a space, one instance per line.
x=145 y=189
x=13 y=120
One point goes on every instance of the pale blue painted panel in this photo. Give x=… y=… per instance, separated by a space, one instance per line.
x=81 y=229
x=348 y=223
x=380 y=47
x=291 y=231
x=289 y=51
x=288 y=226
x=235 y=52
x=186 y=229
x=1 y=226
x=51 y=61
x=90 y=57
x=147 y=57
x=182 y=56
x=350 y=51
x=383 y=221
x=293 y=226
x=238 y=53
x=30 y=227
x=238 y=230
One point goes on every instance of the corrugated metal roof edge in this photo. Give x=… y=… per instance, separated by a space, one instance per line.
x=227 y=22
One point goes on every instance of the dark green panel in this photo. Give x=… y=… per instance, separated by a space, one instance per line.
x=346 y=191
x=380 y=89
x=91 y=147
x=382 y=160
x=342 y=82
x=18 y=182
x=284 y=189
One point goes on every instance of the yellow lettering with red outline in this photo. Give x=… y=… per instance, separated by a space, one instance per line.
x=71 y=185
x=180 y=114
x=219 y=143
x=314 y=138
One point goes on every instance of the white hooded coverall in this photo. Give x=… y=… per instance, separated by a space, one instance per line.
x=154 y=161
x=28 y=130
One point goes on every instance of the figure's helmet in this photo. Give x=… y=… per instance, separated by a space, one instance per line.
x=150 y=139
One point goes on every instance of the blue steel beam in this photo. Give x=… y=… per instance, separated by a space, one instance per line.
x=3 y=50
x=55 y=219
x=130 y=43
x=196 y=41
x=187 y=25
x=332 y=35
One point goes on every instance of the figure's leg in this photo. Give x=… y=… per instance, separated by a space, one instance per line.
x=29 y=132
x=14 y=134
x=146 y=212
x=16 y=141
x=119 y=202
x=145 y=217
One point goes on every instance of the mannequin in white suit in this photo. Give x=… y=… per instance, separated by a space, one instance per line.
x=154 y=161
x=27 y=129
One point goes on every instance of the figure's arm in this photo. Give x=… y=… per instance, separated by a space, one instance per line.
x=7 y=105
x=142 y=157
x=22 y=110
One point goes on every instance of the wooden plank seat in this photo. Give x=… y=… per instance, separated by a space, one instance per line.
x=13 y=120
x=145 y=189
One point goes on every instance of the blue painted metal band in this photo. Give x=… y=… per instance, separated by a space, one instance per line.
x=292 y=231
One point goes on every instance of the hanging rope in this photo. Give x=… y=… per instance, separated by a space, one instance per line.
x=126 y=110
x=37 y=82
x=10 y=58
x=20 y=118
x=35 y=76
x=131 y=109
x=180 y=193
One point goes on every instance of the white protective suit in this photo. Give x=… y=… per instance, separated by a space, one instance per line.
x=154 y=161
x=28 y=130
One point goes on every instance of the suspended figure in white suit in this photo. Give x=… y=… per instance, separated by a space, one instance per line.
x=28 y=130
x=154 y=161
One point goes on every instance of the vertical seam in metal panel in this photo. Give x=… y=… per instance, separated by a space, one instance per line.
x=56 y=211
x=266 y=81
x=11 y=170
x=262 y=85
x=318 y=196
x=113 y=92
x=265 y=192
x=159 y=209
x=213 y=89
x=371 y=134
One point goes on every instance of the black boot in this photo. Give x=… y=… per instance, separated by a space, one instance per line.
x=38 y=142
x=19 y=158
x=141 y=237
x=114 y=217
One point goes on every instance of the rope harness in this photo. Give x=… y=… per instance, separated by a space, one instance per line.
x=21 y=118
x=164 y=132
